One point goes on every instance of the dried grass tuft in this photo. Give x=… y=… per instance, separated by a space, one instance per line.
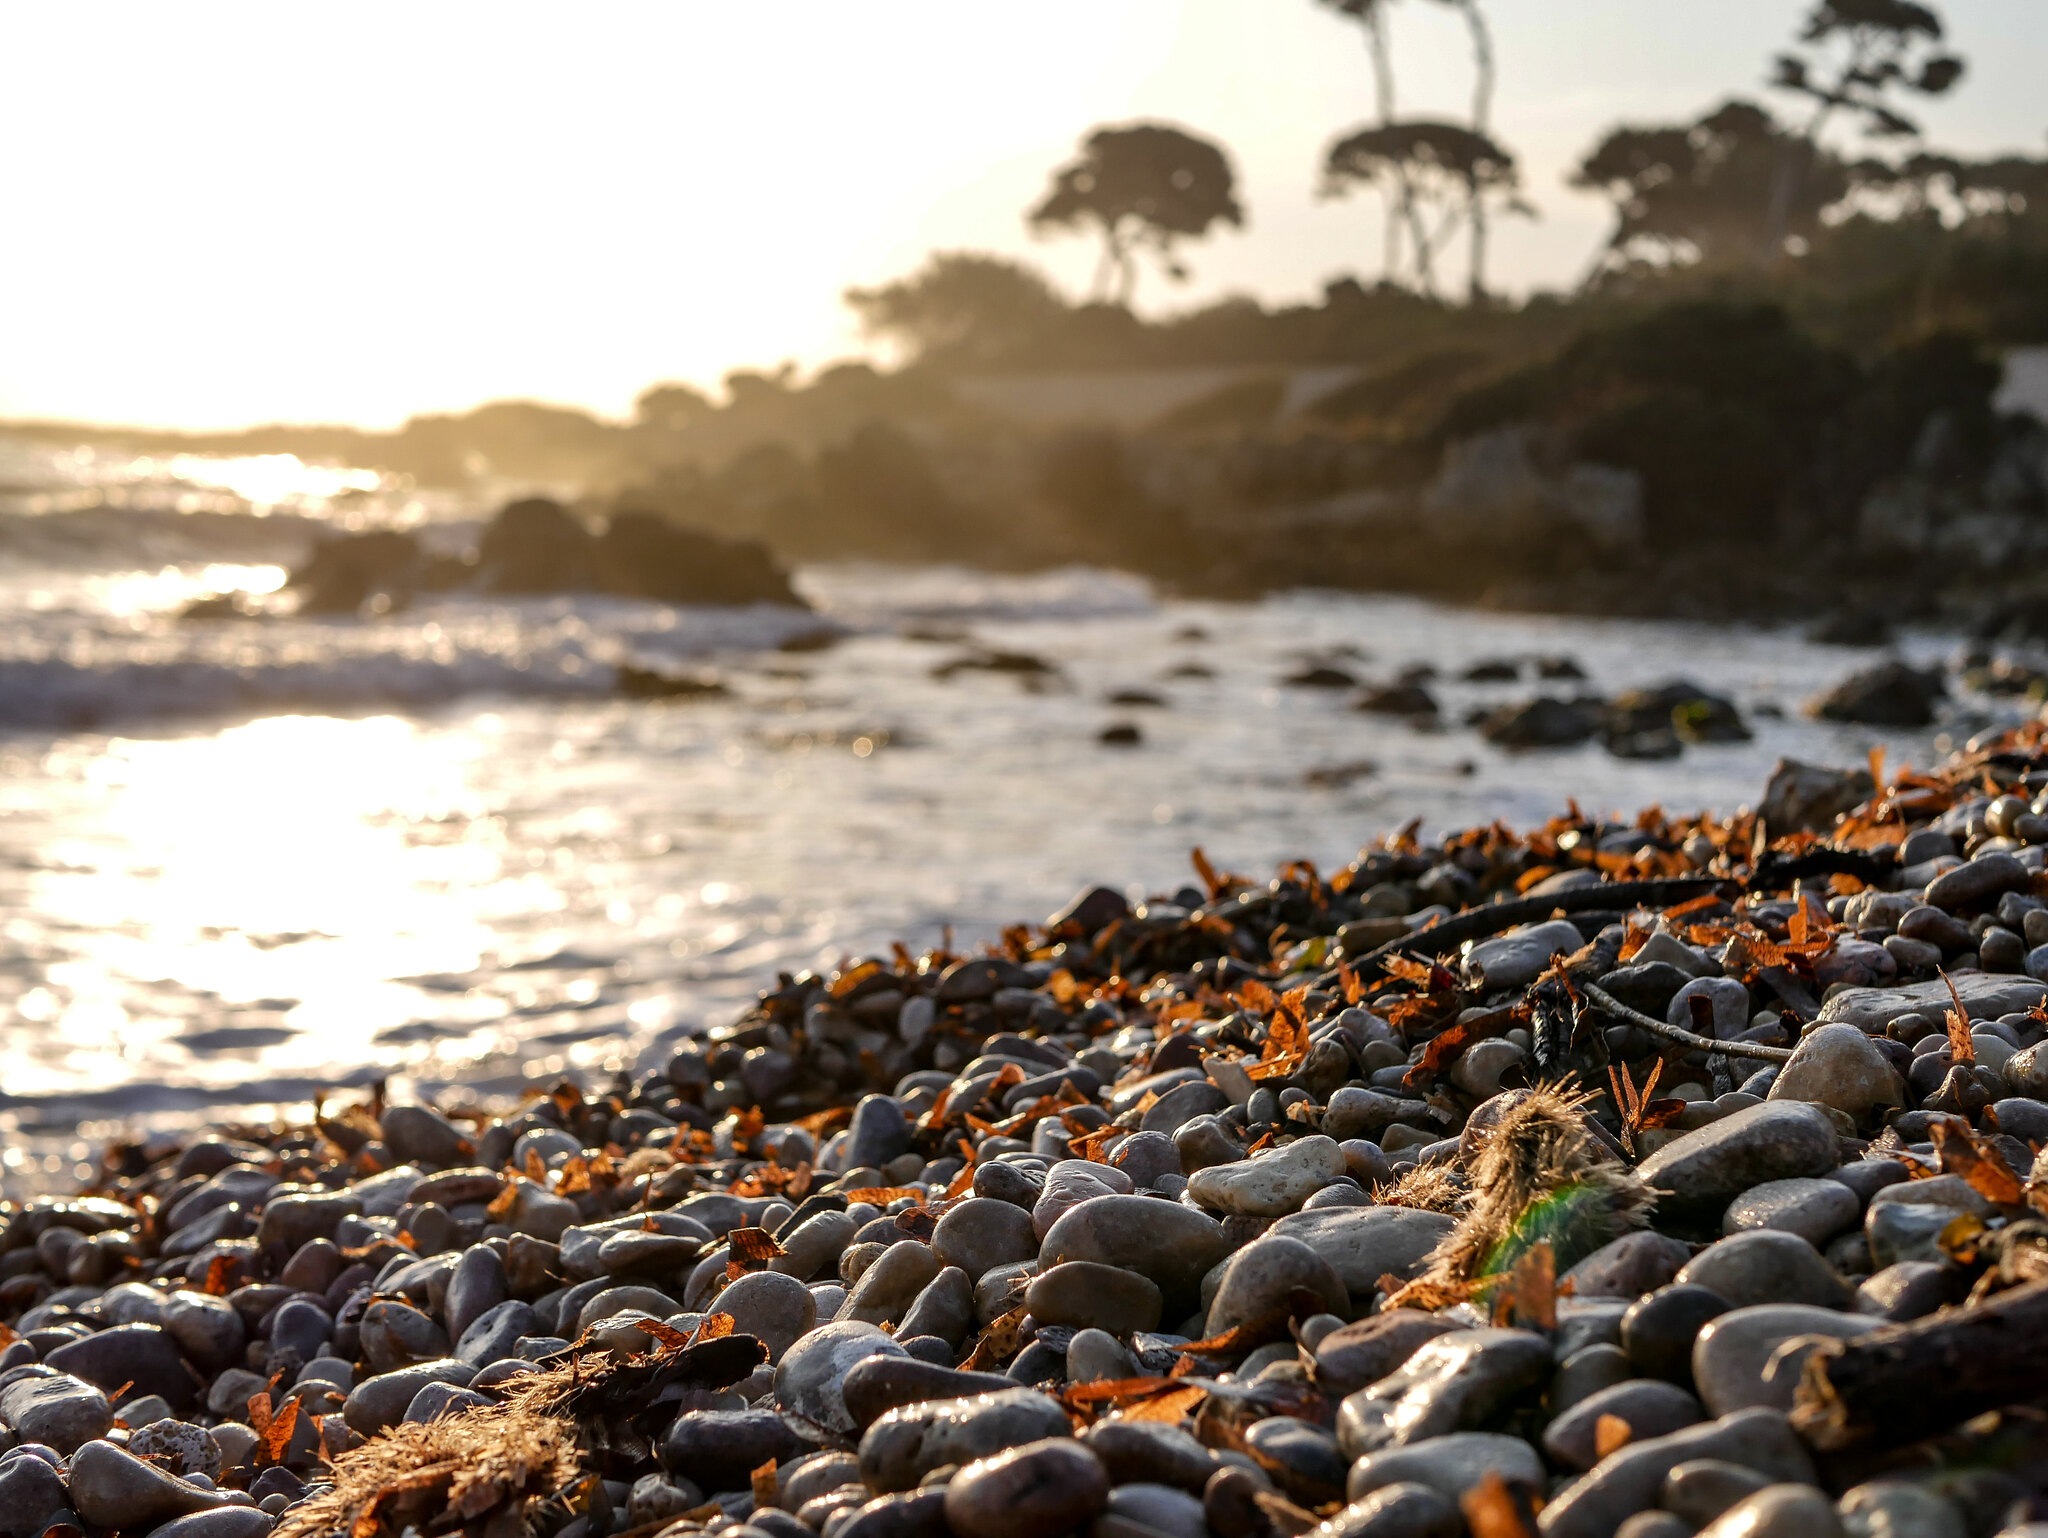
x=1431 y=1187
x=1541 y=1176
x=483 y=1468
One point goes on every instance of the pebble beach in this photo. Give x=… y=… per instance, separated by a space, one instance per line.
x=1647 y=1179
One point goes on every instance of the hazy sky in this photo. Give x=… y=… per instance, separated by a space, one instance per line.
x=222 y=214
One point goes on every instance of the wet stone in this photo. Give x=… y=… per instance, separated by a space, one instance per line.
x=1453 y=1383
x=59 y=1410
x=1151 y=1451
x=1701 y=1490
x=1815 y=1210
x=1306 y=1461
x=1778 y=1511
x=1034 y=1491
x=720 y=1449
x=809 y=1378
x=776 y=1310
x=1171 y=1245
x=1395 y=1511
x=1628 y=1481
x=1659 y=1329
x=907 y=1443
x=1362 y=1244
x=981 y=1233
x=1264 y=1277
x=1270 y=1184
x=114 y=1489
x=1740 y=1359
x=1087 y=1295
x=1159 y=1509
x=1449 y=1465
x=1629 y=1266
x=1367 y=1350
x=1648 y=1406
x=1766 y=1266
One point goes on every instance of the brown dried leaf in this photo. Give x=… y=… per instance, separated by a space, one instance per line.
x=1610 y=1434
x=755 y=1244
x=1169 y=1409
x=259 y=1412
x=881 y=1196
x=277 y=1436
x=1963 y=1152
x=1961 y=1048
x=713 y=1327
x=536 y=1169
x=1491 y=1510
x=763 y=1481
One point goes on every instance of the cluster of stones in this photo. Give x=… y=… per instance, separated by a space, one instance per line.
x=949 y=1195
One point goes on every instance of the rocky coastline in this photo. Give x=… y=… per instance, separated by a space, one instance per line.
x=1650 y=1179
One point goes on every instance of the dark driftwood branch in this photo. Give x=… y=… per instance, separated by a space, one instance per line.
x=1608 y=1004
x=1479 y=923
x=1910 y=1381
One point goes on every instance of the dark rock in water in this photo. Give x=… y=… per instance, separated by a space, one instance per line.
x=1851 y=626
x=653 y=684
x=1891 y=694
x=536 y=546
x=1134 y=699
x=1684 y=708
x=1544 y=722
x=342 y=574
x=1320 y=676
x=222 y=606
x=1807 y=798
x=643 y=555
x=1397 y=700
x=1018 y=664
x=1120 y=734
x=1492 y=670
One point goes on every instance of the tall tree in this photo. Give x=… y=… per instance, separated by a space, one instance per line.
x=1857 y=53
x=1441 y=166
x=1371 y=15
x=1704 y=192
x=1142 y=186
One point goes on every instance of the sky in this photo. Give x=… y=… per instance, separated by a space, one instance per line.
x=221 y=214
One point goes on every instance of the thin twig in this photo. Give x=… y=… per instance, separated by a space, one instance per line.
x=1608 y=1004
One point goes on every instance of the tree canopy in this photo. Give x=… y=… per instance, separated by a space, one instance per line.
x=1141 y=186
x=960 y=304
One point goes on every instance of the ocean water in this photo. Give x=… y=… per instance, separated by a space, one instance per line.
x=244 y=863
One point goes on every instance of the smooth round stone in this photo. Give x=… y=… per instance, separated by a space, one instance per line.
x=1909 y=1289
x=1739 y=1360
x=1654 y=1524
x=1629 y=1266
x=1345 y=1195
x=494 y=1335
x=1898 y=1508
x=1597 y=1503
x=59 y=1411
x=912 y=1514
x=1153 y=1452
x=1838 y=1065
x=982 y=1233
x=1658 y=1331
x=656 y=1498
x=1087 y=1295
x=1070 y=1183
x=1450 y=1465
x=814 y=1245
x=222 y=1522
x=1649 y=1407
x=418 y=1135
x=438 y=1400
x=1306 y=1460
x=207 y=1329
x=1586 y=1372
x=379 y=1403
x=1035 y=1491
x=634 y=1253
x=397 y=1335
x=878 y=1133
x=1701 y=1490
x=1271 y=1184
x=944 y=1310
x=1778 y=1511
x=1363 y=1244
x=1453 y=1383
x=144 y=1356
x=1262 y=1278
x=477 y=1285
x=874 y=1387
x=1010 y=1183
x=1815 y=1210
x=775 y=1309
x=1777 y=1140
x=808 y=1379
x=1367 y=1350
x=1159 y=1509
x=1726 y=998
x=1182 y=1104
x=890 y=1284
x=1395 y=1511
x=1095 y=1356
x=608 y=1301
x=1172 y=1245
x=1517 y=958
x=111 y=1488
x=1766 y=1266
x=720 y=1449
x=1145 y=1156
